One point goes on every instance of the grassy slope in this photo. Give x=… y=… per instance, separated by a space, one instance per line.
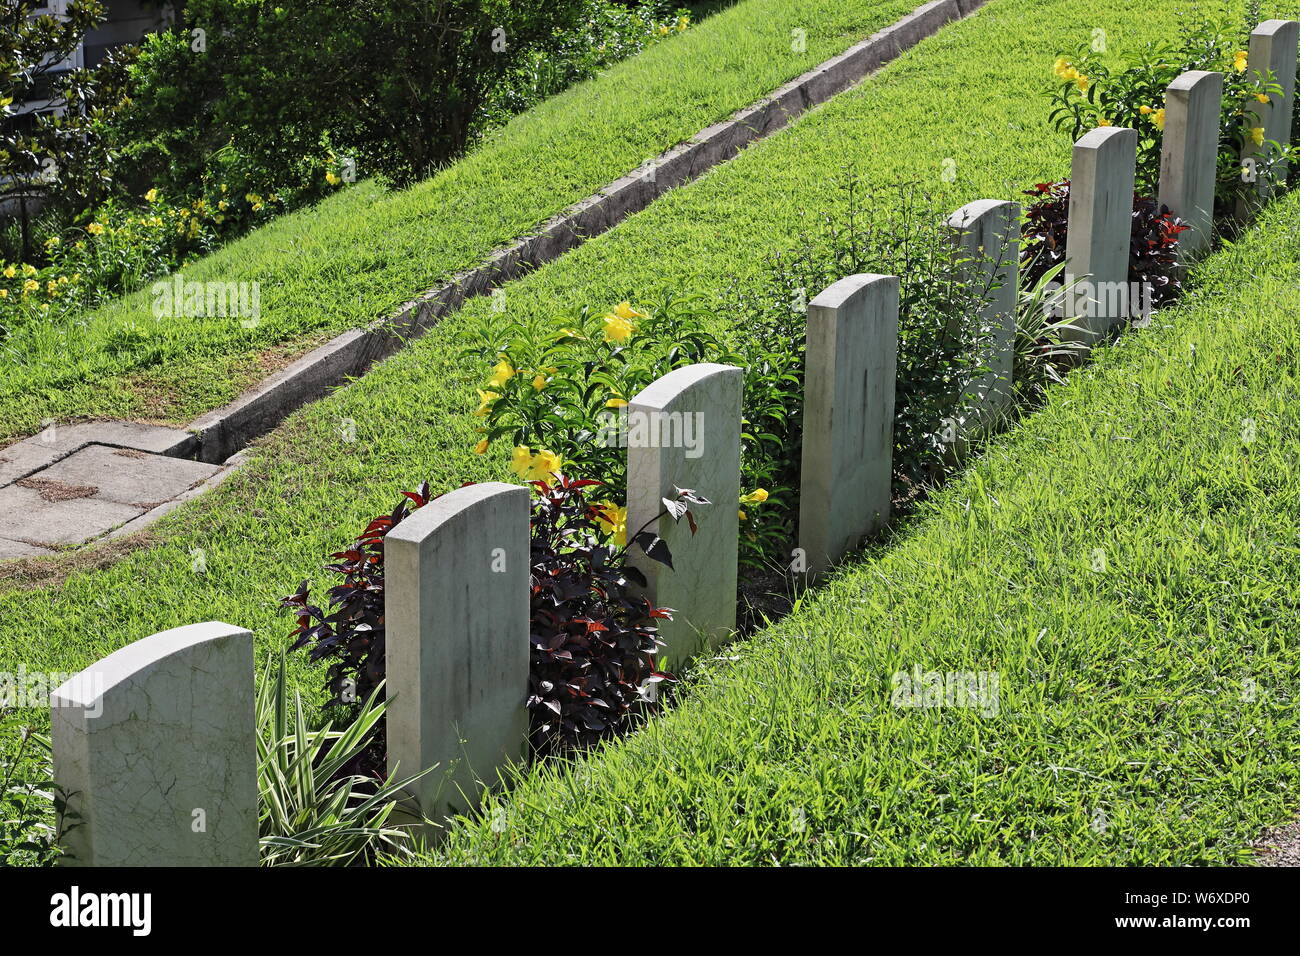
x=363 y=252
x=968 y=93
x=1124 y=692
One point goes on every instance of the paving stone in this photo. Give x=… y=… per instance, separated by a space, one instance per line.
x=20 y=549
x=143 y=480
x=25 y=457
x=21 y=459
x=25 y=515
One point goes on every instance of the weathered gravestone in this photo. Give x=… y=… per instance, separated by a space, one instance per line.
x=1189 y=155
x=1099 y=231
x=456 y=597
x=155 y=747
x=848 y=416
x=683 y=431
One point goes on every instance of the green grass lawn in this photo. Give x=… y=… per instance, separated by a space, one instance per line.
x=969 y=93
x=1146 y=706
x=360 y=254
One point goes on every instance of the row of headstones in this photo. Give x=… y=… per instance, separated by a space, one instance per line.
x=155 y=744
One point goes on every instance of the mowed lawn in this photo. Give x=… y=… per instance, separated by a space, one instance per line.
x=969 y=94
x=1125 y=562
x=360 y=254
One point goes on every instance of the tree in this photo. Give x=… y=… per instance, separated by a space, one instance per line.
x=51 y=147
x=397 y=85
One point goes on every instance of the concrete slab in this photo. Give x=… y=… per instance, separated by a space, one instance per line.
x=20 y=549
x=128 y=478
x=26 y=516
x=57 y=441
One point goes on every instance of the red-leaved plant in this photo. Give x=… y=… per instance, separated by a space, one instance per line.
x=1153 y=243
x=593 y=640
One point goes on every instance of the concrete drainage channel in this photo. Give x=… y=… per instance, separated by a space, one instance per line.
x=73 y=484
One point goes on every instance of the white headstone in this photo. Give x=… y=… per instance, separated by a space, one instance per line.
x=986 y=233
x=848 y=416
x=155 y=747
x=1273 y=46
x=456 y=612
x=1100 y=230
x=684 y=432
x=1189 y=155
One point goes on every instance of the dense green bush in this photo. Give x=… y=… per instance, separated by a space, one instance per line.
x=397 y=88
x=58 y=162
x=894 y=232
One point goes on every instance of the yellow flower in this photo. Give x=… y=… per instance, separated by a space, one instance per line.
x=683 y=23
x=151 y=196
x=1104 y=122
x=4 y=293
x=1069 y=74
x=1083 y=83
x=51 y=287
x=612 y=519
x=663 y=30
x=618 y=329
x=222 y=205
x=29 y=269
x=539 y=382
x=546 y=463
x=1257 y=135
x=502 y=372
x=485 y=402
x=51 y=242
x=1158 y=117
x=1262 y=97
x=1060 y=66
x=616 y=403
x=624 y=310
x=741 y=514
x=31 y=285
x=1239 y=61
x=332 y=178
x=94 y=229
x=10 y=272
x=481 y=447
x=1144 y=110
x=755 y=497
x=571 y=334
x=536 y=467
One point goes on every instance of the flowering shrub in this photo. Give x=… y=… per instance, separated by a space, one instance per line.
x=122 y=248
x=592 y=639
x=1090 y=93
x=1153 y=246
x=554 y=394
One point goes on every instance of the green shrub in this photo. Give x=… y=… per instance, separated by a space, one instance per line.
x=1091 y=92
x=895 y=232
x=29 y=801
x=314 y=809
